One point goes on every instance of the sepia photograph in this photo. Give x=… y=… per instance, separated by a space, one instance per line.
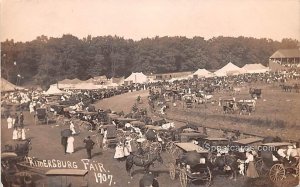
x=150 y=93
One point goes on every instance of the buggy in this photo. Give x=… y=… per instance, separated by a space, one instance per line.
x=228 y=105
x=246 y=106
x=41 y=116
x=273 y=165
x=255 y=93
x=191 y=164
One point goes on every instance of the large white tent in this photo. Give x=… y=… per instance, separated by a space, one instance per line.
x=138 y=77
x=202 y=73
x=8 y=87
x=255 y=68
x=53 y=90
x=229 y=69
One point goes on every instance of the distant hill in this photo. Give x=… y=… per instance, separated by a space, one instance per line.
x=46 y=60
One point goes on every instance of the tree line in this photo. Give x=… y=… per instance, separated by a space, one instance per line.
x=45 y=61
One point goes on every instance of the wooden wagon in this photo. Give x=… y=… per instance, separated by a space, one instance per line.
x=190 y=164
x=276 y=168
x=41 y=116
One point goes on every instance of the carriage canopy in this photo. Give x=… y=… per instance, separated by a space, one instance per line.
x=188 y=147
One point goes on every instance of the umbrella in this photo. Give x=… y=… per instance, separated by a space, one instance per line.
x=150 y=134
x=66 y=133
x=192 y=158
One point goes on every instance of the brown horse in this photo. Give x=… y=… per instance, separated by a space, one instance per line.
x=142 y=160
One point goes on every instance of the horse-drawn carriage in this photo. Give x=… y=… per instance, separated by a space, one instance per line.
x=239 y=147
x=246 y=106
x=190 y=136
x=188 y=99
x=20 y=148
x=11 y=173
x=274 y=165
x=41 y=116
x=228 y=105
x=191 y=164
x=255 y=93
x=215 y=145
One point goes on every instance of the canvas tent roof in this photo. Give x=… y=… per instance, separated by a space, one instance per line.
x=255 y=68
x=286 y=53
x=53 y=90
x=202 y=73
x=228 y=69
x=70 y=81
x=8 y=87
x=138 y=77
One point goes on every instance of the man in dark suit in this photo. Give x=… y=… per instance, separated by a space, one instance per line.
x=89 y=145
x=21 y=120
x=64 y=142
x=148 y=180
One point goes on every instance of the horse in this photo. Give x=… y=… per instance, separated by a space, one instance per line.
x=224 y=163
x=21 y=148
x=145 y=161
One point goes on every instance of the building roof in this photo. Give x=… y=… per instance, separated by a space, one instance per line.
x=286 y=53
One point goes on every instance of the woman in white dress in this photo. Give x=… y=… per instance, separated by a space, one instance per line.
x=119 y=153
x=9 y=122
x=23 y=134
x=127 y=147
x=31 y=108
x=72 y=127
x=15 y=134
x=70 y=145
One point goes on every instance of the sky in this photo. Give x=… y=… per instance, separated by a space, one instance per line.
x=24 y=20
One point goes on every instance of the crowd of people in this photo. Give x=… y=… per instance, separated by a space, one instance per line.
x=83 y=100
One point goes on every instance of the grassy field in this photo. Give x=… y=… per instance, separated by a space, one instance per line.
x=276 y=114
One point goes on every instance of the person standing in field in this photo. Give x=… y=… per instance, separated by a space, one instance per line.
x=89 y=145
x=9 y=122
x=70 y=145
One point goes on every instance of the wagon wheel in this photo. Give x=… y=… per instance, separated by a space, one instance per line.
x=297 y=170
x=277 y=173
x=172 y=171
x=155 y=147
x=183 y=178
x=259 y=166
x=206 y=176
x=170 y=147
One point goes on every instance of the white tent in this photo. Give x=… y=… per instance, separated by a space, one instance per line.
x=7 y=86
x=255 y=68
x=53 y=90
x=138 y=77
x=229 y=69
x=202 y=73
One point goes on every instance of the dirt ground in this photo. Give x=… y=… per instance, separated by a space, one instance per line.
x=46 y=139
